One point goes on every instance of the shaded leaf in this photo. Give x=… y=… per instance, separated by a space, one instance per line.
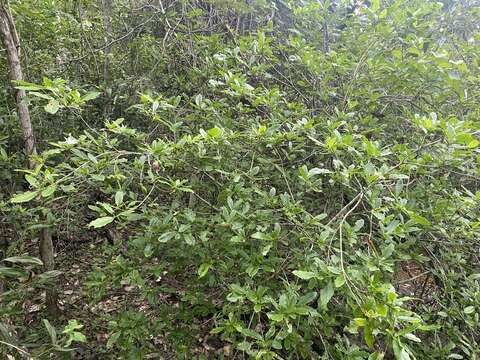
x=326 y=294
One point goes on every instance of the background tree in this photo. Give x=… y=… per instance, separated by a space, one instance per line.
x=12 y=45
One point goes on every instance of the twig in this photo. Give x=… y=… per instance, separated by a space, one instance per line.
x=20 y=350
x=345 y=208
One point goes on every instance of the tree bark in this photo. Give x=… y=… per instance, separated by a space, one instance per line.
x=107 y=26
x=326 y=37
x=326 y=41
x=12 y=45
x=47 y=256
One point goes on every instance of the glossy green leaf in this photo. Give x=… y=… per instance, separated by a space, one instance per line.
x=24 y=260
x=119 y=197
x=91 y=95
x=48 y=191
x=304 y=275
x=326 y=294
x=52 y=107
x=203 y=269
x=101 y=222
x=24 y=197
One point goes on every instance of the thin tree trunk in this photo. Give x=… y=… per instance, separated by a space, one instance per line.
x=326 y=40
x=47 y=256
x=107 y=26
x=192 y=200
x=12 y=45
x=326 y=36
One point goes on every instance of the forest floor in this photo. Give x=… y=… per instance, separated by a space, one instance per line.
x=82 y=258
x=76 y=264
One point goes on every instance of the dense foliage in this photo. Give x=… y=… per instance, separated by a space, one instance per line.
x=266 y=179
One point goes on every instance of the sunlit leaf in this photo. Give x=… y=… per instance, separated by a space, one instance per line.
x=101 y=222
x=24 y=260
x=24 y=197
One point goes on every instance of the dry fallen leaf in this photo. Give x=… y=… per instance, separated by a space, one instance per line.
x=227 y=350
